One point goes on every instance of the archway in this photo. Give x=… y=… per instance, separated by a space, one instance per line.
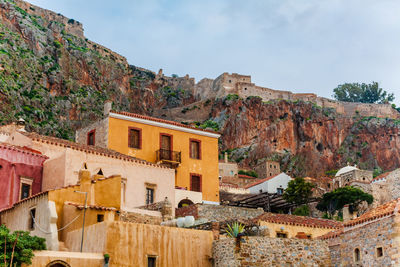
x=58 y=263
x=184 y=203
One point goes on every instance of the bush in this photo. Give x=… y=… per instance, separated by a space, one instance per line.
x=302 y=211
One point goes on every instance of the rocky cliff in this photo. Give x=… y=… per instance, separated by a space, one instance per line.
x=57 y=80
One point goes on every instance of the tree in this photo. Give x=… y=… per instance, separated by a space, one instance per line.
x=364 y=93
x=335 y=200
x=298 y=191
x=19 y=247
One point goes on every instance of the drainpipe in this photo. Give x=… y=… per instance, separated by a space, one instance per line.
x=84 y=213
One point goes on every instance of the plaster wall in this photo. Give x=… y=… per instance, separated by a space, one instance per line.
x=270 y=186
x=195 y=197
x=129 y=244
x=207 y=166
x=227 y=169
x=74 y=259
x=293 y=230
x=19 y=218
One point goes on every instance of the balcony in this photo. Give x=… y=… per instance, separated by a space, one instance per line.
x=169 y=157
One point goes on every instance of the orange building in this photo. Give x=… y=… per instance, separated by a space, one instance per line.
x=192 y=152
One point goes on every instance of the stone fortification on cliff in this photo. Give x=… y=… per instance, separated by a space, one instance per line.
x=242 y=86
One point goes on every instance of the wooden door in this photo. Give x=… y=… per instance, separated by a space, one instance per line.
x=166 y=146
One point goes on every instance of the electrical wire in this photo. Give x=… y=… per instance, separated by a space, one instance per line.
x=47 y=232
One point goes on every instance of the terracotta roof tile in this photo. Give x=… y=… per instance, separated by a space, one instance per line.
x=246 y=176
x=260 y=181
x=134 y=115
x=298 y=220
x=25 y=150
x=332 y=234
x=382 y=176
x=24 y=200
x=96 y=207
x=383 y=210
x=88 y=149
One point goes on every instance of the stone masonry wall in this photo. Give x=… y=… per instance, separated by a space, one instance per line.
x=140 y=218
x=367 y=238
x=265 y=251
x=218 y=213
x=101 y=134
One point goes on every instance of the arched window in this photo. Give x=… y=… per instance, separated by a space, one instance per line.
x=357 y=255
x=185 y=203
x=58 y=263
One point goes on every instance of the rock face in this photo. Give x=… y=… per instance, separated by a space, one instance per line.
x=304 y=138
x=58 y=81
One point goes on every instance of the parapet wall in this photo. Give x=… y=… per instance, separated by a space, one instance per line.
x=242 y=86
x=265 y=251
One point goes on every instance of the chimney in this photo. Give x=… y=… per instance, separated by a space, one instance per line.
x=107 y=107
x=21 y=125
x=226 y=157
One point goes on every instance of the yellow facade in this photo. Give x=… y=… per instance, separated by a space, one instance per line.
x=99 y=191
x=292 y=230
x=206 y=166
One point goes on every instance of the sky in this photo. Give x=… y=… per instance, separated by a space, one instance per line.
x=304 y=46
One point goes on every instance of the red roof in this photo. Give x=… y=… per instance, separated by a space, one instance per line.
x=96 y=207
x=87 y=149
x=381 y=211
x=332 y=234
x=382 y=176
x=298 y=220
x=25 y=150
x=260 y=181
x=246 y=176
x=144 y=117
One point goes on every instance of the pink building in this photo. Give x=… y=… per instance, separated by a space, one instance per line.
x=21 y=172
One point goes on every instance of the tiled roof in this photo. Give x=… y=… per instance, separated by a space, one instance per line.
x=332 y=234
x=260 y=181
x=134 y=115
x=381 y=211
x=24 y=200
x=298 y=220
x=25 y=150
x=246 y=176
x=88 y=149
x=96 y=207
x=382 y=176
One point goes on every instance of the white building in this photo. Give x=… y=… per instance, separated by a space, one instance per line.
x=274 y=184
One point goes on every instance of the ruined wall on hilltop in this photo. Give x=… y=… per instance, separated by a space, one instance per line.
x=242 y=86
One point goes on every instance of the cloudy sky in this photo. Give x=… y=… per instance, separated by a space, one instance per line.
x=296 y=45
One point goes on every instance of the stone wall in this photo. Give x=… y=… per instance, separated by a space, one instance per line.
x=101 y=134
x=367 y=237
x=141 y=217
x=265 y=251
x=241 y=85
x=218 y=213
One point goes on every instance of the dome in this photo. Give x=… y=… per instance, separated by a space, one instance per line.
x=348 y=168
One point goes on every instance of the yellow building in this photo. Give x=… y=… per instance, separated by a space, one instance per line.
x=290 y=226
x=192 y=152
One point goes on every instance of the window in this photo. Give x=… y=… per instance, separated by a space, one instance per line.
x=32 y=217
x=279 y=191
x=135 y=138
x=149 y=195
x=100 y=217
x=25 y=191
x=151 y=261
x=379 y=252
x=195 y=149
x=195 y=182
x=357 y=255
x=91 y=138
x=270 y=166
x=281 y=235
x=231 y=172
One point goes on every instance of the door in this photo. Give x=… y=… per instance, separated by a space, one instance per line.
x=166 y=147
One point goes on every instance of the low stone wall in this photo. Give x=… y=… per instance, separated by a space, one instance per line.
x=265 y=251
x=218 y=213
x=142 y=217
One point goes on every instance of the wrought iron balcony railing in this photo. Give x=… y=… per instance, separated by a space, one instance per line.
x=168 y=155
